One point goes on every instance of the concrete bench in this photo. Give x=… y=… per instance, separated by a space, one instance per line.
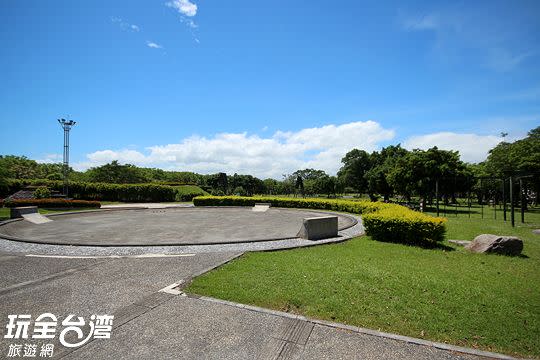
x=317 y=228
x=18 y=212
x=261 y=207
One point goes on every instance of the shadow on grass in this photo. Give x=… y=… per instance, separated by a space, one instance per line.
x=423 y=245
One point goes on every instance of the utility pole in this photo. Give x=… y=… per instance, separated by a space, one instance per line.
x=66 y=125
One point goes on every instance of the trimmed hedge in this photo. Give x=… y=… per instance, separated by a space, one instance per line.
x=383 y=221
x=53 y=203
x=404 y=226
x=188 y=192
x=116 y=192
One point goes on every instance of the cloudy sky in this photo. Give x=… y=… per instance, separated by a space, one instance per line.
x=264 y=87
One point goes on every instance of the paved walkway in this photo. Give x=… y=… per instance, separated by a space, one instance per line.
x=153 y=319
x=165 y=227
x=150 y=324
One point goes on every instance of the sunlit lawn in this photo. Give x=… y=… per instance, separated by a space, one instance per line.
x=489 y=302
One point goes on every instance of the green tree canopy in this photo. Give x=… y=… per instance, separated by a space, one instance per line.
x=416 y=172
x=521 y=156
x=356 y=163
x=382 y=163
x=116 y=173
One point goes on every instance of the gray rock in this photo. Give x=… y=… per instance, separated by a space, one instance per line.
x=487 y=243
x=460 y=242
x=537 y=231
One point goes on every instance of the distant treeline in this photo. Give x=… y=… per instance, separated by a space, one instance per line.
x=392 y=171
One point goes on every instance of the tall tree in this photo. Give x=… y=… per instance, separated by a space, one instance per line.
x=299 y=185
x=382 y=163
x=356 y=163
x=417 y=171
x=116 y=173
x=521 y=157
x=308 y=174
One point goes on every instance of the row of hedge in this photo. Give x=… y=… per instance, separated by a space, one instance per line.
x=116 y=192
x=188 y=192
x=52 y=203
x=383 y=221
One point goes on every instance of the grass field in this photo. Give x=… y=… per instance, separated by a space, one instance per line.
x=489 y=302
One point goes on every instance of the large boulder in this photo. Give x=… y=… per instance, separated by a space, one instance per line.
x=487 y=243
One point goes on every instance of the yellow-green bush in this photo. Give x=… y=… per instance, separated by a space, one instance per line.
x=384 y=222
x=399 y=224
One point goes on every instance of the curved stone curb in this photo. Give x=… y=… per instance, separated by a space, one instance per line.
x=10 y=246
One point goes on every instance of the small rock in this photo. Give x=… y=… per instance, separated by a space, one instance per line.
x=487 y=243
x=537 y=231
x=460 y=242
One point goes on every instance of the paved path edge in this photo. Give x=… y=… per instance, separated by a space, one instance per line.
x=356 y=329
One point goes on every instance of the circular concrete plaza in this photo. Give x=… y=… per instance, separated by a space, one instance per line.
x=173 y=226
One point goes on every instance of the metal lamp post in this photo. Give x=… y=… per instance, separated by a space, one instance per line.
x=66 y=125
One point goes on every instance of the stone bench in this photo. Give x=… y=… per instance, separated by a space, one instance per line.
x=18 y=212
x=317 y=228
x=261 y=207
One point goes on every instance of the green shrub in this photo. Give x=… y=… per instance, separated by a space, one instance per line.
x=383 y=221
x=42 y=192
x=357 y=207
x=188 y=192
x=114 y=192
x=52 y=203
x=410 y=227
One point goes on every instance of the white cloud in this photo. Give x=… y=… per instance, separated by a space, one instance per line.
x=50 y=159
x=472 y=148
x=187 y=11
x=184 y=7
x=189 y=23
x=153 y=45
x=124 y=25
x=283 y=152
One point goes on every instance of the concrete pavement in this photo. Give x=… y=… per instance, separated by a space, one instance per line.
x=157 y=227
x=150 y=324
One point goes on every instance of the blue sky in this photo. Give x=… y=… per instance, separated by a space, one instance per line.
x=264 y=87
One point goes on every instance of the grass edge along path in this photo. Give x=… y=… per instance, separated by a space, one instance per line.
x=487 y=302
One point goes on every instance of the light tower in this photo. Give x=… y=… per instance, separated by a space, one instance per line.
x=66 y=125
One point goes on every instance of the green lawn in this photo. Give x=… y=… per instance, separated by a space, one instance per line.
x=4 y=213
x=489 y=302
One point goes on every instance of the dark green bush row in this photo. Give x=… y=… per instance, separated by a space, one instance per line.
x=188 y=192
x=116 y=192
x=383 y=221
x=53 y=203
